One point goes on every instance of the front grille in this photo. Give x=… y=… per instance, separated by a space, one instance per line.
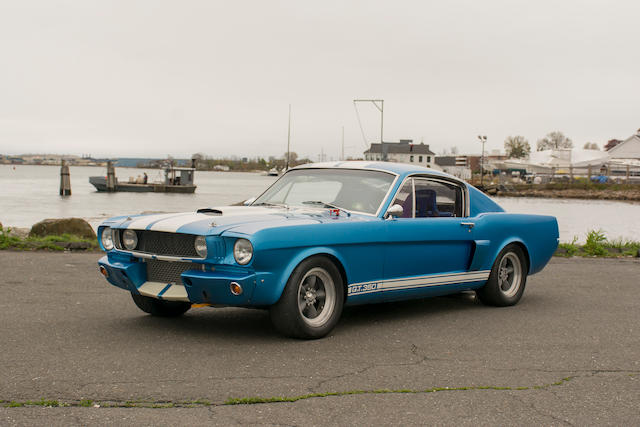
x=167 y=271
x=163 y=243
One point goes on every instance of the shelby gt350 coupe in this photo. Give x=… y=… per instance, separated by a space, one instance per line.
x=328 y=235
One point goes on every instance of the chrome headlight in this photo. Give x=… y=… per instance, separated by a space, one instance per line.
x=243 y=251
x=130 y=239
x=201 y=246
x=107 y=238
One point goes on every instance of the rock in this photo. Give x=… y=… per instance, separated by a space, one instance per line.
x=21 y=232
x=76 y=226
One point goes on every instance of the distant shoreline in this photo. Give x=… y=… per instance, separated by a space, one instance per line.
x=619 y=192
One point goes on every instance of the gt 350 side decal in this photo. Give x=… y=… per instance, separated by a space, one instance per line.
x=417 y=282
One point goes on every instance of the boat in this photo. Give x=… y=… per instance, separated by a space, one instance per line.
x=176 y=180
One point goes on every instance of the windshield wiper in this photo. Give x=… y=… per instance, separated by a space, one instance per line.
x=326 y=205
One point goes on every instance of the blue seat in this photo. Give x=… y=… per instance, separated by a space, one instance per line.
x=426 y=205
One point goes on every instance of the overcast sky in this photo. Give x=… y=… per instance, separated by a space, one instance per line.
x=153 y=78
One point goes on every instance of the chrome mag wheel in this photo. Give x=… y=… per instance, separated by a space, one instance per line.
x=508 y=278
x=509 y=274
x=316 y=297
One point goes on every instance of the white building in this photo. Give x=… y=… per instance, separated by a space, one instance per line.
x=404 y=151
x=458 y=166
x=627 y=149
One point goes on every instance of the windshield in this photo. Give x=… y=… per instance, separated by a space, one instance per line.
x=349 y=189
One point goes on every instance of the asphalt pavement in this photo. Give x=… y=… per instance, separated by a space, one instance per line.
x=568 y=353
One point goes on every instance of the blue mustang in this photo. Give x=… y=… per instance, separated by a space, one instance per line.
x=328 y=235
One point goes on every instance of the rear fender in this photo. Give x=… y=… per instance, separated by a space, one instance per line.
x=485 y=253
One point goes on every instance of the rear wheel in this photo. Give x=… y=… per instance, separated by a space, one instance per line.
x=507 y=279
x=311 y=303
x=161 y=308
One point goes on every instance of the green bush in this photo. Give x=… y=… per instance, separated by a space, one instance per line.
x=595 y=244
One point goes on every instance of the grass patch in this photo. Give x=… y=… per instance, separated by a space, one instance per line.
x=279 y=399
x=51 y=243
x=88 y=403
x=597 y=245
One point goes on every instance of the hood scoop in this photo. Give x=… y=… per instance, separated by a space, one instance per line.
x=210 y=211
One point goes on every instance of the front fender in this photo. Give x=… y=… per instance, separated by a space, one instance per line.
x=268 y=295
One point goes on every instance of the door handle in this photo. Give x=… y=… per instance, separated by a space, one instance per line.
x=468 y=224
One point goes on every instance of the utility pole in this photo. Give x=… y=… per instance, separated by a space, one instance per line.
x=482 y=139
x=286 y=168
x=379 y=104
x=342 y=152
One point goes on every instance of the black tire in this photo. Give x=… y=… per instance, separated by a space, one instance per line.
x=311 y=303
x=507 y=279
x=161 y=308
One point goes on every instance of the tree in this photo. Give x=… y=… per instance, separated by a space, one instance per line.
x=517 y=147
x=293 y=156
x=611 y=143
x=591 y=146
x=554 y=141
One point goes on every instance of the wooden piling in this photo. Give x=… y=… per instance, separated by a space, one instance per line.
x=627 y=180
x=111 y=177
x=65 y=179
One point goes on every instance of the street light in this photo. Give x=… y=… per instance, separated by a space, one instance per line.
x=483 y=139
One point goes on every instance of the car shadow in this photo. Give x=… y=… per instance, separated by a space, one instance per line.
x=406 y=310
x=255 y=325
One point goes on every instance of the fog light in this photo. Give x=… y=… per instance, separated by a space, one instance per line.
x=104 y=271
x=236 y=289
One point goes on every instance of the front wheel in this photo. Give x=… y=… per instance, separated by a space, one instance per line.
x=507 y=279
x=161 y=308
x=312 y=300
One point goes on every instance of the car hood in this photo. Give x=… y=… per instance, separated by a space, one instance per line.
x=239 y=219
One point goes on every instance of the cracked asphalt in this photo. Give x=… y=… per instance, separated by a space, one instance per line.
x=572 y=346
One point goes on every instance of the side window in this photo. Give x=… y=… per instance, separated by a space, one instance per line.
x=404 y=198
x=437 y=199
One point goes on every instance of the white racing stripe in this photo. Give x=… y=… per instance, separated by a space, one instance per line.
x=173 y=293
x=151 y=289
x=172 y=224
x=143 y=222
x=417 y=282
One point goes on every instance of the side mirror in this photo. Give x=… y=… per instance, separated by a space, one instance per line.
x=394 y=211
x=249 y=201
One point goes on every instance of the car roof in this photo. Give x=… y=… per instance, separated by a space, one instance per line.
x=396 y=168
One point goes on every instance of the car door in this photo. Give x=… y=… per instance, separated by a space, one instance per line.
x=431 y=244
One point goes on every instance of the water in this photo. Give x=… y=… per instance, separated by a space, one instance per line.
x=29 y=194
x=618 y=220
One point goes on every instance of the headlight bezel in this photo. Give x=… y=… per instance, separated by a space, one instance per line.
x=127 y=233
x=106 y=239
x=243 y=255
x=200 y=245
